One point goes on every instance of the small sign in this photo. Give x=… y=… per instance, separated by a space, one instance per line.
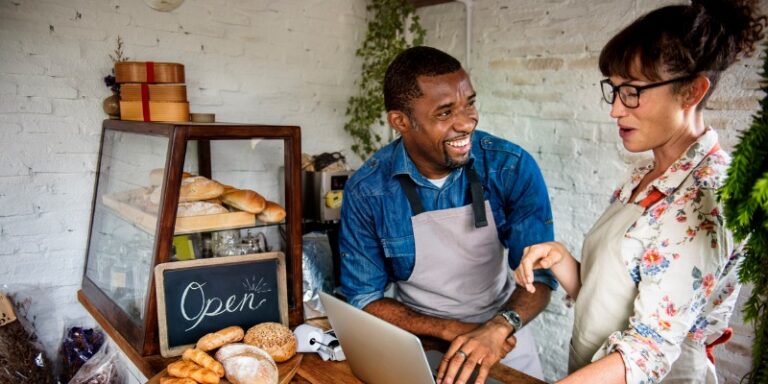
x=197 y=297
x=7 y=314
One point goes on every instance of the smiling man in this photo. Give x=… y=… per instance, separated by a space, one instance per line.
x=432 y=213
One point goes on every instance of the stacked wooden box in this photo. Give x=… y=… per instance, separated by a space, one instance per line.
x=152 y=91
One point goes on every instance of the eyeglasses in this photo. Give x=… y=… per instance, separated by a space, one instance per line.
x=630 y=94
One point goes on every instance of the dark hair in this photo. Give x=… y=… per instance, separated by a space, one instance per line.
x=400 y=85
x=705 y=38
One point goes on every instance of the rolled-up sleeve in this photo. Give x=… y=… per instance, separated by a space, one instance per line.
x=363 y=270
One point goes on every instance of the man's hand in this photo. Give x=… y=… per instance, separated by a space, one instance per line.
x=484 y=346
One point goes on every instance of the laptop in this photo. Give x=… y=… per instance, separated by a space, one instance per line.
x=379 y=352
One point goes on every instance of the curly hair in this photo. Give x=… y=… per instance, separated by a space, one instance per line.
x=400 y=80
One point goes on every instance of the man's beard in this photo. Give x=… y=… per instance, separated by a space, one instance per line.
x=448 y=163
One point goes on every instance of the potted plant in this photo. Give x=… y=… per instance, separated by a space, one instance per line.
x=392 y=22
x=745 y=197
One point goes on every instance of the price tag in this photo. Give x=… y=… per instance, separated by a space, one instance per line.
x=7 y=314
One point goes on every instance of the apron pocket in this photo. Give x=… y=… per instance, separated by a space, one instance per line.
x=400 y=254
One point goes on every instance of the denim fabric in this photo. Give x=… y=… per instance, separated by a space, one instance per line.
x=376 y=237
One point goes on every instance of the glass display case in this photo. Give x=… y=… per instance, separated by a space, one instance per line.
x=143 y=213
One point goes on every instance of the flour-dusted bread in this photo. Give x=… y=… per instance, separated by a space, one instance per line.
x=272 y=213
x=274 y=338
x=198 y=188
x=245 y=200
x=199 y=208
x=246 y=364
x=216 y=339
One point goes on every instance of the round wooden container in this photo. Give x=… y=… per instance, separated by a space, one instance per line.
x=154 y=111
x=153 y=92
x=148 y=72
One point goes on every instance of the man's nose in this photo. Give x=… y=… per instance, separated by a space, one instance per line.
x=466 y=121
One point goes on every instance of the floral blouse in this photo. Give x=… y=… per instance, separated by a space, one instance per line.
x=683 y=261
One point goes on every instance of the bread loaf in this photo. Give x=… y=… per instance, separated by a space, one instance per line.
x=193 y=371
x=176 y=380
x=272 y=213
x=275 y=338
x=250 y=369
x=204 y=360
x=244 y=200
x=216 y=339
x=198 y=188
x=156 y=176
x=199 y=208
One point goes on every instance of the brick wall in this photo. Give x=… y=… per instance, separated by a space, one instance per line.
x=534 y=67
x=292 y=62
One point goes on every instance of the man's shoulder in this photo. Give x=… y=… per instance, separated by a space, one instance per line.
x=375 y=172
x=494 y=147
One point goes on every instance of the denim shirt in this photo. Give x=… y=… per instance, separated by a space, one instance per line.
x=376 y=236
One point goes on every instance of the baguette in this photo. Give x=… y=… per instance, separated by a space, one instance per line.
x=216 y=339
x=176 y=380
x=199 y=188
x=204 y=360
x=272 y=213
x=245 y=200
x=193 y=371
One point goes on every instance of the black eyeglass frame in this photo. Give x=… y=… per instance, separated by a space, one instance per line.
x=638 y=89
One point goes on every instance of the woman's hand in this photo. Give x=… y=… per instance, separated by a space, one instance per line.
x=540 y=256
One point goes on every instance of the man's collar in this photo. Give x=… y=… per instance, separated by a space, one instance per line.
x=403 y=165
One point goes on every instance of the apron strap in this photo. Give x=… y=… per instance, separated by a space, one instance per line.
x=475 y=190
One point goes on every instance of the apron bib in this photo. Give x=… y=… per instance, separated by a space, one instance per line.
x=460 y=271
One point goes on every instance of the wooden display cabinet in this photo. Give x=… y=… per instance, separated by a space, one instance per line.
x=134 y=222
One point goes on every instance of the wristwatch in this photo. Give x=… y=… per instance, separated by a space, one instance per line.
x=513 y=318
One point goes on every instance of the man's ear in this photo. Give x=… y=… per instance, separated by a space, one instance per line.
x=696 y=91
x=399 y=121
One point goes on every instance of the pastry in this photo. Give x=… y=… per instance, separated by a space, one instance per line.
x=274 y=338
x=204 y=360
x=176 y=380
x=216 y=339
x=272 y=213
x=198 y=188
x=244 y=200
x=198 y=208
x=193 y=371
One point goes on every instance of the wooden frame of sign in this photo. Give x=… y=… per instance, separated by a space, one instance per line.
x=197 y=297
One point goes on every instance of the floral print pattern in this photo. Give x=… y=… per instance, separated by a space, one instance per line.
x=682 y=260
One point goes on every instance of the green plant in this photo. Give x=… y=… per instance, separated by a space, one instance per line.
x=745 y=196
x=386 y=37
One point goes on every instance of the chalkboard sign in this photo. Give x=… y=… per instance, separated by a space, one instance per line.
x=198 y=297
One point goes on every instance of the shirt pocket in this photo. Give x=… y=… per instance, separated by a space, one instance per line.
x=400 y=253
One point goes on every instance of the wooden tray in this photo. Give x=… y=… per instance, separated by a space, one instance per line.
x=148 y=72
x=118 y=203
x=286 y=370
x=153 y=92
x=154 y=111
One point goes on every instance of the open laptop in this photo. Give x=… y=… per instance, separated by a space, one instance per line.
x=379 y=352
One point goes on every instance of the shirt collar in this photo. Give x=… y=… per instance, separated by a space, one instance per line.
x=674 y=176
x=403 y=165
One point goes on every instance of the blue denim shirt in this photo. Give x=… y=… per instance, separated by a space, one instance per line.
x=376 y=236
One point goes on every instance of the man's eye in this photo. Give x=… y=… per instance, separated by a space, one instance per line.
x=444 y=113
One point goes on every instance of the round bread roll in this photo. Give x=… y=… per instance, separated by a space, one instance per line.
x=199 y=208
x=250 y=369
x=274 y=338
x=244 y=200
x=198 y=188
x=272 y=213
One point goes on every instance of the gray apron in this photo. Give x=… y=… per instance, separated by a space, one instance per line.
x=460 y=270
x=606 y=299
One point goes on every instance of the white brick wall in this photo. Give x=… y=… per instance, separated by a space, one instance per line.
x=292 y=62
x=534 y=66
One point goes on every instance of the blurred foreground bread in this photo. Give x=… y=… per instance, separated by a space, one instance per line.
x=215 y=340
x=199 y=188
x=244 y=200
x=272 y=213
x=176 y=380
x=246 y=364
x=204 y=360
x=274 y=338
x=193 y=371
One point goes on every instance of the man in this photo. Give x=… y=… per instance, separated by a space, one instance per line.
x=432 y=213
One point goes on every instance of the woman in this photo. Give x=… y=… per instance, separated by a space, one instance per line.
x=658 y=280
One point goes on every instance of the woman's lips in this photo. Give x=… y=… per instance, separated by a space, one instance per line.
x=625 y=132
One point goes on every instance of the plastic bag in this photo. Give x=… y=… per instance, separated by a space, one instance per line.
x=78 y=345
x=102 y=368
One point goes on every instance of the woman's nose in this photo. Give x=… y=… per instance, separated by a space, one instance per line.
x=617 y=108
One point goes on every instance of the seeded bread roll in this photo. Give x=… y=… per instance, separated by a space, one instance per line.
x=272 y=213
x=245 y=200
x=199 y=208
x=215 y=340
x=198 y=188
x=274 y=338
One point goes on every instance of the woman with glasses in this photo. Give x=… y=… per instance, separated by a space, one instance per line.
x=657 y=281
